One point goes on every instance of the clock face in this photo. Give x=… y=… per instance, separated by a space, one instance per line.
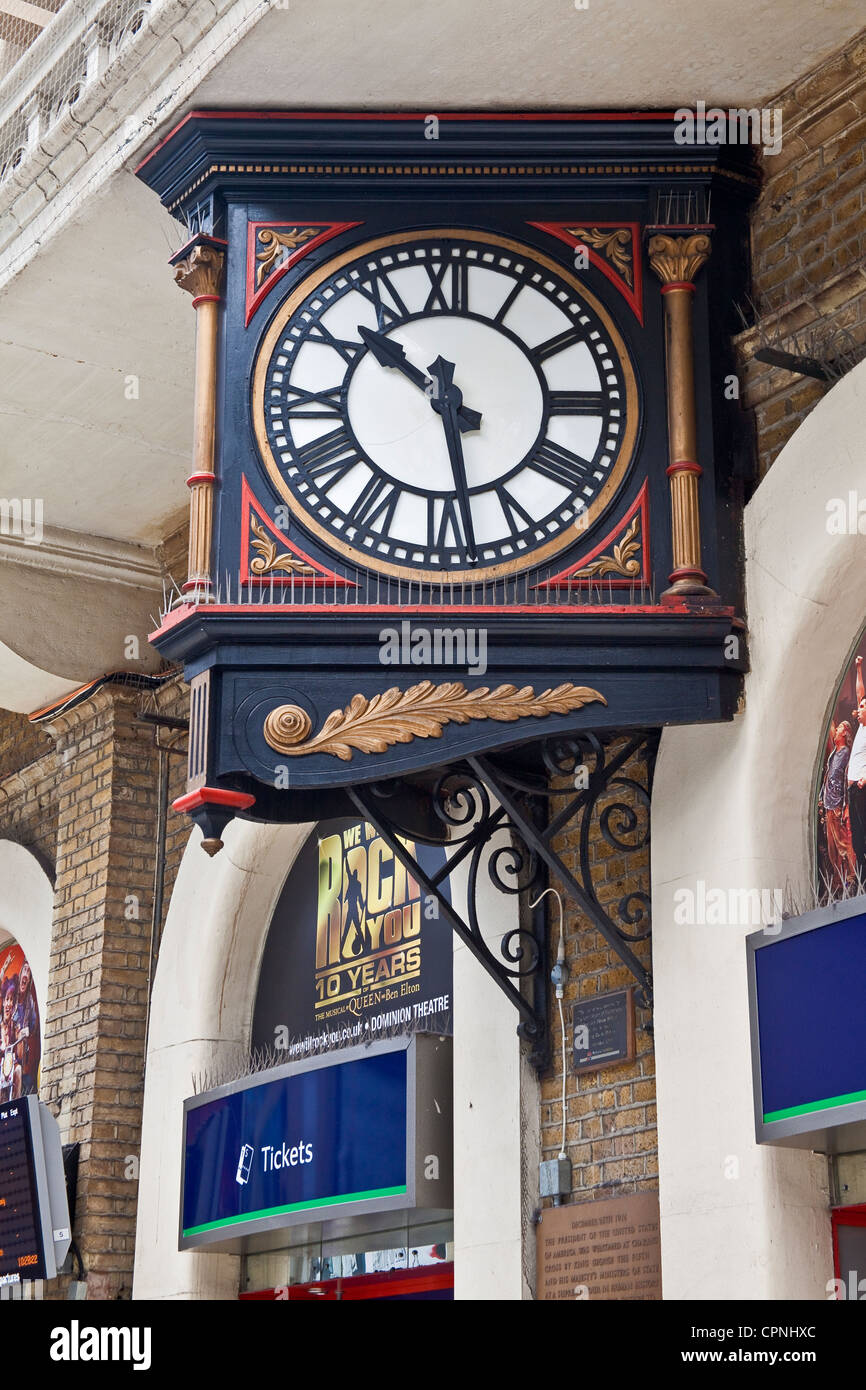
x=443 y=404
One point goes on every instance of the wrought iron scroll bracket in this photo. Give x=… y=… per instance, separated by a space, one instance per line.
x=495 y=819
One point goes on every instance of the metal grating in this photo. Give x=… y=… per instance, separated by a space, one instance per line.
x=46 y=68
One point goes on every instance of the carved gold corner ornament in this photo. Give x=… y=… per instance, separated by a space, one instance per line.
x=267 y=558
x=275 y=244
x=677 y=259
x=201 y=272
x=624 y=561
x=616 y=246
x=421 y=711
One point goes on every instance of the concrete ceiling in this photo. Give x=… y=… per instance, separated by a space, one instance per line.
x=509 y=54
x=95 y=318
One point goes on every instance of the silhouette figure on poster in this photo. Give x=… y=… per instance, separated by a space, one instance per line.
x=356 y=917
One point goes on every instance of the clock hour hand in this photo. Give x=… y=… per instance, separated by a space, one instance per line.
x=392 y=354
x=447 y=403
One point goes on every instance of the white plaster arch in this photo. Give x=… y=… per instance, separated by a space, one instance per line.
x=204 y=993
x=731 y=806
x=201 y=1012
x=26 y=910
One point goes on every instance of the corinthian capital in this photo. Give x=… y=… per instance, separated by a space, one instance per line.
x=677 y=259
x=201 y=271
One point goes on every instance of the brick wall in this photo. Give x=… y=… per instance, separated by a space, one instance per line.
x=97 y=994
x=610 y=1113
x=28 y=802
x=808 y=243
x=20 y=742
x=173 y=700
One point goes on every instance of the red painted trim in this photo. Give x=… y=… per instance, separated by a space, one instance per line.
x=684 y=466
x=192 y=585
x=409 y=116
x=255 y=296
x=563 y=579
x=678 y=285
x=687 y=574
x=213 y=796
x=200 y=478
x=844 y=1216
x=395 y=1283
x=633 y=297
x=323 y=576
x=206 y=299
x=365 y=610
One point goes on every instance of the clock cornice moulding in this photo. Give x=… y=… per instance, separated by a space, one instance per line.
x=258 y=153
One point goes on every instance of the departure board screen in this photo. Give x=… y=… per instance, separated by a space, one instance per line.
x=21 y=1253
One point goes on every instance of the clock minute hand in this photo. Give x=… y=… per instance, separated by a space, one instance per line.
x=389 y=353
x=447 y=403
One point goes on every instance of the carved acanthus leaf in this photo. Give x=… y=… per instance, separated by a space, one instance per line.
x=399 y=716
x=624 y=561
x=677 y=259
x=274 y=246
x=201 y=272
x=615 y=244
x=268 y=559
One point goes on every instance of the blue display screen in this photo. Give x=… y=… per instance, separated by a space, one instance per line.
x=811 y=1019
x=318 y=1138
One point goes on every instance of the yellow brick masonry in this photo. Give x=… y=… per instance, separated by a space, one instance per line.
x=95 y=1015
x=808 y=238
x=610 y=1113
x=28 y=801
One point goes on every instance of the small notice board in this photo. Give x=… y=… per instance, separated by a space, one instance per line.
x=603 y=1030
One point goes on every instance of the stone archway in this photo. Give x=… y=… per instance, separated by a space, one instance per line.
x=204 y=993
x=203 y=996
x=731 y=807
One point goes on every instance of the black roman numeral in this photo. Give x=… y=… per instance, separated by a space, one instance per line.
x=508 y=301
x=312 y=405
x=330 y=457
x=437 y=298
x=449 y=286
x=576 y=402
x=556 y=462
x=347 y=349
x=377 y=503
x=459 y=286
x=557 y=344
x=518 y=519
x=437 y=536
x=372 y=290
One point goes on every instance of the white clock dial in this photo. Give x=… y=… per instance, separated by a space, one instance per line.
x=444 y=404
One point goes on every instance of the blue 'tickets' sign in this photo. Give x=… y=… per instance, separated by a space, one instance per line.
x=318 y=1137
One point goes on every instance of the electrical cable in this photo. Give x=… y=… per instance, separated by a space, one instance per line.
x=559 y=975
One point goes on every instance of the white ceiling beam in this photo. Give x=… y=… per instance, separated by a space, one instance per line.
x=22 y=9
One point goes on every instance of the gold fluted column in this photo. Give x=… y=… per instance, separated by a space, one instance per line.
x=199 y=271
x=676 y=260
